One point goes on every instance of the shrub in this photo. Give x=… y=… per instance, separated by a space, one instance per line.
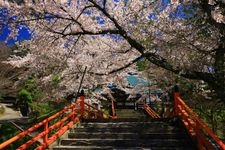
x=24 y=97
x=32 y=87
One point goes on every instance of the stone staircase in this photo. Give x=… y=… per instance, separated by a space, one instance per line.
x=128 y=133
x=131 y=113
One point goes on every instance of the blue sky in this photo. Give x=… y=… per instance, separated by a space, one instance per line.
x=23 y=30
x=182 y=12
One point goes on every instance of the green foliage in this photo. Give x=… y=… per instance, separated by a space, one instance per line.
x=8 y=131
x=32 y=87
x=55 y=80
x=30 y=84
x=28 y=95
x=31 y=93
x=214 y=117
x=142 y=65
x=24 y=97
x=47 y=107
x=42 y=108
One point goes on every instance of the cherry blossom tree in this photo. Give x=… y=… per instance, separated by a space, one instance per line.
x=108 y=36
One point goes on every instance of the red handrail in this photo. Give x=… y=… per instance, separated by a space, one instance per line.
x=195 y=126
x=72 y=114
x=36 y=126
x=150 y=111
x=75 y=111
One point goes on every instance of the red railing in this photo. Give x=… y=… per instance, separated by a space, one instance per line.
x=66 y=119
x=150 y=111
x=72 y=114
x=196 y=128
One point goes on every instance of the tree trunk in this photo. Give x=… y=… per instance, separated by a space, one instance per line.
x=219 y=67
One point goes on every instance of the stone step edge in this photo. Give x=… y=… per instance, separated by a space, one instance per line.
x=121 y=148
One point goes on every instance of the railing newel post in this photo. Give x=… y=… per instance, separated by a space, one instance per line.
x=82 y=104
x=81 y=97
x=46 y=135
x=113 y=110
x=176 y=95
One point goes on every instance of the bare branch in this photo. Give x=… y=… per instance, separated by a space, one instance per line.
x=85 y=32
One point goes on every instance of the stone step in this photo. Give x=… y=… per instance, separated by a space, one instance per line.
x=126 y=142
x=99 y=135
x=148 y=119
x=128 y=133
x=149 y=129
x=129 y=113
x=119 y=148
x=117 y=120
x=126 y=124
x=133 y=123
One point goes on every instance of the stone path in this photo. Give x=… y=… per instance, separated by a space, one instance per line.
x=9 y=113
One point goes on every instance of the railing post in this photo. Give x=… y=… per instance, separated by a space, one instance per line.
x=113 y=110
x=176 y=95
x=46 y=135
x=82 y=104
